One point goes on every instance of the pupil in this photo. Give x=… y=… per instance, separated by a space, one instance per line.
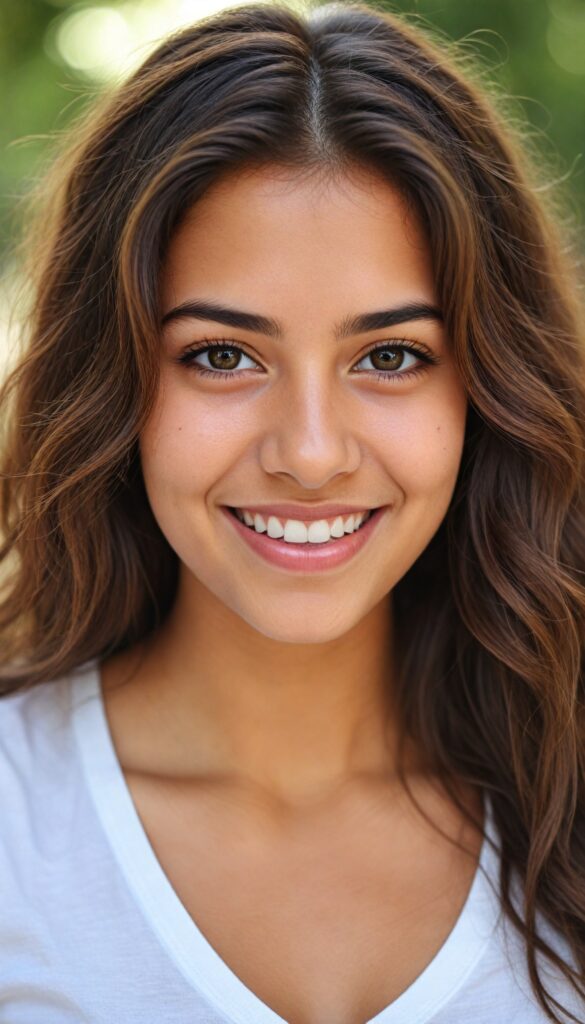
x=386 y=358
x=222 y=355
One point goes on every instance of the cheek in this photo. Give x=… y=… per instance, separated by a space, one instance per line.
x=425 y=443
x=186 y=445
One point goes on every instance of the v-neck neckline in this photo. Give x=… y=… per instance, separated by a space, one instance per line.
x=186 y=945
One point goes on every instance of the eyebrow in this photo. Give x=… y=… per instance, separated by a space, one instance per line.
x=203 y=310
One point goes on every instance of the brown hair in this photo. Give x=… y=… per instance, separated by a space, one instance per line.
x=490 y=618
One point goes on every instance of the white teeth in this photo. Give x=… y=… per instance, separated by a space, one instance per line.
x=337 y=529
x=348 y=524
x=296 y=532
x=274 y=527
x=319 y=532
x=259 y=524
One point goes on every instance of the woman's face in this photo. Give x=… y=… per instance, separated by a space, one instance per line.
x=308 y=415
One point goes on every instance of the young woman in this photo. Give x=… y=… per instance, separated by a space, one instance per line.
x=293 y=516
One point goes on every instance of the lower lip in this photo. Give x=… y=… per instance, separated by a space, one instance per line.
x=306 y=557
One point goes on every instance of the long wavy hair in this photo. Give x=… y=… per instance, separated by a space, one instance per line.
x=491 y=617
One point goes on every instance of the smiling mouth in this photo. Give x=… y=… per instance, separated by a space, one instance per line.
x=308 y=544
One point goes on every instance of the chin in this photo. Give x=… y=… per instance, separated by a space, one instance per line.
x=304 y=628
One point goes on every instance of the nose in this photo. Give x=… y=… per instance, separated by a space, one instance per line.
x=307 y=434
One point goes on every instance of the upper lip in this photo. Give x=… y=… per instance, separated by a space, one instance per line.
x=304 y=511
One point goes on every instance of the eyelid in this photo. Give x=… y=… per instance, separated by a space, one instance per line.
x=205 y=343
x=425 y=356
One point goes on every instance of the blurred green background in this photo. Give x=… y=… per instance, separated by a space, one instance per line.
x=55 y=54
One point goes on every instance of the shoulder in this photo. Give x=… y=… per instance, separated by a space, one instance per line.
x=34 y=722
x=39 y=763
x=43 y=792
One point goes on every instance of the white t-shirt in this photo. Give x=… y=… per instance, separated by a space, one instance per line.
x=92 y=931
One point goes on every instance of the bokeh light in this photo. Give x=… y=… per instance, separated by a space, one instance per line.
x=565 y=37
x=105 y=41
x=95 y=40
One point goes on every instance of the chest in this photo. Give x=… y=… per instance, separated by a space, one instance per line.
x=322 y=923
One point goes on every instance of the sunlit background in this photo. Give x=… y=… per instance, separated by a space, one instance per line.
x=56 y=54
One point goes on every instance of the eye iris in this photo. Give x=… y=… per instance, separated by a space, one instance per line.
x=388 y=361
x=219 y=353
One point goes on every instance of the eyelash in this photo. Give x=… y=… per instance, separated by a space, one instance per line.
x=187 y=358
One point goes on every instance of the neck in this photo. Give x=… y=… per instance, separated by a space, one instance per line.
x=210 y=697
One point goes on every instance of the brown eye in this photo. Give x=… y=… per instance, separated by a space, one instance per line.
x=387 y=358
x=224 y=358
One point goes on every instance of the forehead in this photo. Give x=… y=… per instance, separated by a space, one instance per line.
x=268 y=228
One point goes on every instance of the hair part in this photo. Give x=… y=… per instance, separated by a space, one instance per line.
x=490 y=618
